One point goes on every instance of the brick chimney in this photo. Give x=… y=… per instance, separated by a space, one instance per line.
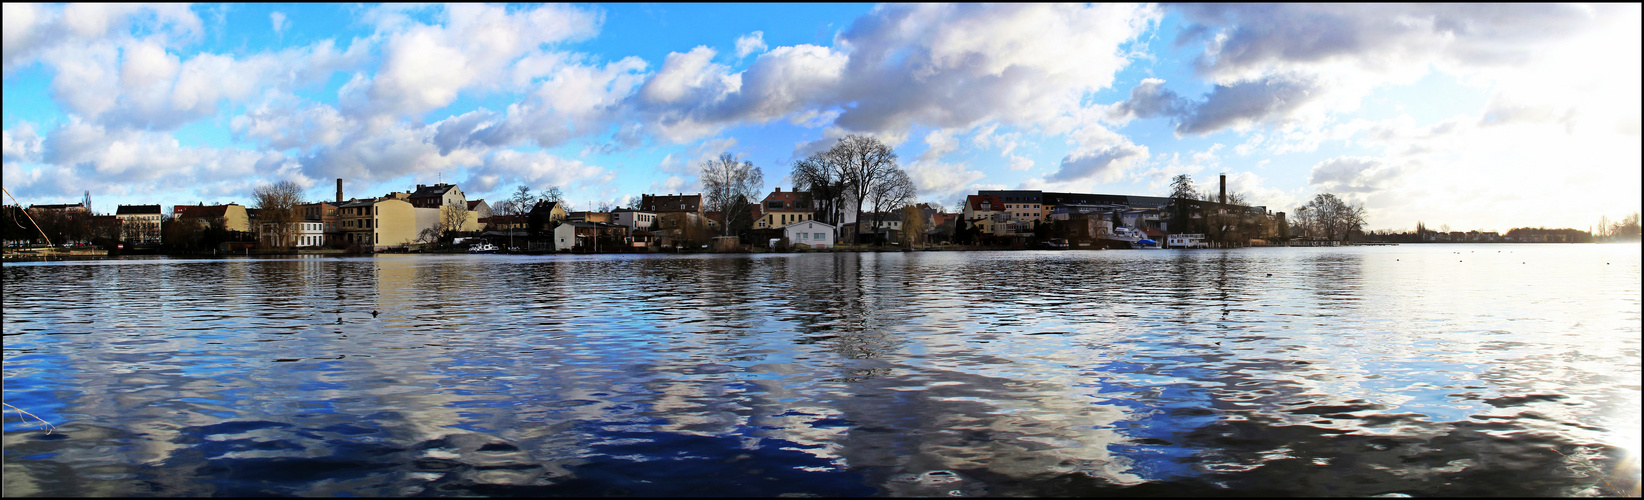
x=339 y=190
x=1224 y=189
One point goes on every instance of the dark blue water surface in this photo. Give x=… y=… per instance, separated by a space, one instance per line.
x=1416 y=370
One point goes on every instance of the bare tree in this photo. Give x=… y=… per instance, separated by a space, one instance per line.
x=1335 y=218
x=519 y=202
x=452 y=219
x=553 y=194
x=893 y=190
x=819 y=174
x=863 y=163
x=278 y=204
x=730 y=188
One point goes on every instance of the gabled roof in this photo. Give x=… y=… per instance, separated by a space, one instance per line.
x=474 y=204
x=434 y=191
x=817 y=222
x=546 y=206
x=792 y=201
x=994 y=203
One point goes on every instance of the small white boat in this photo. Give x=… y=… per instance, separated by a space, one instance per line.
x=483 y=248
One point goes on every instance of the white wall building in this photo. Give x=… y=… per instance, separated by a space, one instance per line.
x=634 y=219
x=812 y=233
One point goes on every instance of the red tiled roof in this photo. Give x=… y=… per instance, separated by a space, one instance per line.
x=994 y=202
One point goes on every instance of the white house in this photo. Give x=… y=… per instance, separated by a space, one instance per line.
x=634 y=219
x=810 y=232
x=1185 y=241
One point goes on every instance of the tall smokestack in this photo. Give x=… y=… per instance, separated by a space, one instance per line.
x=339 y=190
x=1224 y=189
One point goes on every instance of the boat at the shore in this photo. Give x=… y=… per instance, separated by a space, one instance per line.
x=483 y=248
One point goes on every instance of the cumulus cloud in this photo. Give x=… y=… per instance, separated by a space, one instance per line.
x=21 y=144
x=537 y=169
x=1272 y=100
x=31 y=30
x=750 y=43
x=1099 y=165
x=1247 y=40
x=1354 y=174
x=118 y=161
x=958 y=65
x=426 y=66
x=1149 y=99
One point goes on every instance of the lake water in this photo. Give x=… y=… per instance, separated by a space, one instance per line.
x=1414 y=369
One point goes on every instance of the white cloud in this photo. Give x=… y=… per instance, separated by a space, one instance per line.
x=117 y=161
x=277 y=18
x=750 y=43
x=32 y=30
x=426 y=66
x=538 y=169
x=941 y=180
x=1020 y=163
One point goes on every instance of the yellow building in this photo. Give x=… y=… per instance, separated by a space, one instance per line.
x=780 y=209
x=231 y=217
x=378 y=224
x=980 y=211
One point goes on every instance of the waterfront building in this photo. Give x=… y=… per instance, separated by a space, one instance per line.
x=321 y=227
x=679 y=217
x=139 y=223
x=588 y=236
x=812 y=233
x=602 y=217
x=65 y=208
x=481 y=210
x=438 y=195
x=635 y=219
x=780 y=208
x=231 y=217
x=379 y=224
x=986 y=213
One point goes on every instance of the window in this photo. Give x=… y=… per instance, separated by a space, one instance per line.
x=819 y=236
x=804 y=236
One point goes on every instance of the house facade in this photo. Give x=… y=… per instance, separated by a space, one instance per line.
x=812 y=233
x=779 y=209
x=230 y=217
x=324 y=216
x=986 y=213
x=378 y=224
x=139 y=223
x=437 y=195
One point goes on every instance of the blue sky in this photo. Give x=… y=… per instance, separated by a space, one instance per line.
x=1470 y=116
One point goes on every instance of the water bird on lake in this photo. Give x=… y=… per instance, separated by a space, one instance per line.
x=373 y=313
